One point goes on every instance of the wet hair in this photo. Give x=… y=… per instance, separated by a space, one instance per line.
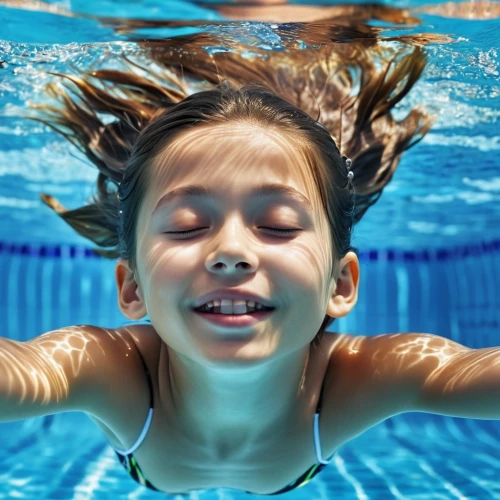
x=249 y=104
x=123 y=120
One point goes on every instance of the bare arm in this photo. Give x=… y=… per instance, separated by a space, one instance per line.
x=468 y=386
x=429 y=373
x=71 y=369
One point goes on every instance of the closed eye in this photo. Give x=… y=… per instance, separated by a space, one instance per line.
x=278 y=230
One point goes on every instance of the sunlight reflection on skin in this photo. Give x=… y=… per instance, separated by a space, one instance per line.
x=41 y=377
x=406 y=355
x=440 y=366
x=471 y=367
x=42 y=369
x=422 y=372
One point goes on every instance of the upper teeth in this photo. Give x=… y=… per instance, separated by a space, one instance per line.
x=228 y=306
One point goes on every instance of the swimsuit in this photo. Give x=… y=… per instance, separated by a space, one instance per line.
x=128 y=461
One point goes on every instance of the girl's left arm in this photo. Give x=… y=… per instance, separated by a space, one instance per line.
x=427 y=373
x=463 y=382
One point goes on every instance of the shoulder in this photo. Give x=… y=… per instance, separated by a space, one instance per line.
x=117 y=350
x=120 y=395
x=136 y=342
x=358 y=391
x=110 y=365
x=348 y=357
x=147 y=343
x=362 y=375
x=346 y=350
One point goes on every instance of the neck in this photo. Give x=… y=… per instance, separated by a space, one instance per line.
x=227 y=410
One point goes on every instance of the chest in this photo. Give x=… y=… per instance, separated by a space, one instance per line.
x=173 y=467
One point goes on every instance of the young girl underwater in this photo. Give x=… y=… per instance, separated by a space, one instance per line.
x=230 y=210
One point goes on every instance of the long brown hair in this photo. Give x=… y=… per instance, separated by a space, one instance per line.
x=337 y=99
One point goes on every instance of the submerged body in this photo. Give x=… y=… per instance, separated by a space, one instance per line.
x=172 y=461
x=362 y=380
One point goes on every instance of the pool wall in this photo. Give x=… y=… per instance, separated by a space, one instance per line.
x=448 y=292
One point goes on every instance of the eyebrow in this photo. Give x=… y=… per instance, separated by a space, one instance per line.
x=204 y=192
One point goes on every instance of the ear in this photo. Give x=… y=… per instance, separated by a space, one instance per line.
x=130 y=297
x=345 y=287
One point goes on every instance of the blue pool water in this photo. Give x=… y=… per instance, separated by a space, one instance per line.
x=429 y=249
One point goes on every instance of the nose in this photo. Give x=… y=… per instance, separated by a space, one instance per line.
x=232 y=251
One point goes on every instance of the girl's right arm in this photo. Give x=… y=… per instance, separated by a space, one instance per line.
x=70 y=369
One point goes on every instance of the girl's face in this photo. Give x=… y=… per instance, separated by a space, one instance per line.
x=234 y=243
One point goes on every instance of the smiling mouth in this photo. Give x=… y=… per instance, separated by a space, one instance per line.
x=235 y=321
x=217 y=310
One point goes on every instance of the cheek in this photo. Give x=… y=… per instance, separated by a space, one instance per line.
x=170 y=266
x=302 y=263
x=302 y=274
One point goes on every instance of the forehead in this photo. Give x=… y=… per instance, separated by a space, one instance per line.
x=231 y=157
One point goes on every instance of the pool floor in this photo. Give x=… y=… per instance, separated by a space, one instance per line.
x=412 y=456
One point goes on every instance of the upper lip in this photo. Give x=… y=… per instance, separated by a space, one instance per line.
x=232 y=294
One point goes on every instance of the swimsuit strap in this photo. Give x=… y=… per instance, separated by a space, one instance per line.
x=317 y=443
x=149 y=418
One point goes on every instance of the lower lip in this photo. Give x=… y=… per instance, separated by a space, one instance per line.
x=235 y=320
